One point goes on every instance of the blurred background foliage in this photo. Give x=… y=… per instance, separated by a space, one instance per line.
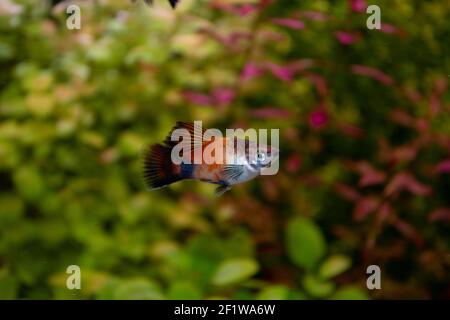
x=365 y=141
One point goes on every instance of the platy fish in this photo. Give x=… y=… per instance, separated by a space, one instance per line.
x=241 y=163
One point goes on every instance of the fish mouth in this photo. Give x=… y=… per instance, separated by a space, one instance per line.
x=273 y=155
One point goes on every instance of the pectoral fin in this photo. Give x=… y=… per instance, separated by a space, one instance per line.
x=232 y=172
x=220 y=190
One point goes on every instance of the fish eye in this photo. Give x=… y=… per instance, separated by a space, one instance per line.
x=261 y=156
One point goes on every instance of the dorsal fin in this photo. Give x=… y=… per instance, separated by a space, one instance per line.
x=195 y=131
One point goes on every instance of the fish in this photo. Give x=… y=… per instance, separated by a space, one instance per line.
x=173 y=3
x=246 y=163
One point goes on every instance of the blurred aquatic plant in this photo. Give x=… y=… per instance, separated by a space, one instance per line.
x=364 y=118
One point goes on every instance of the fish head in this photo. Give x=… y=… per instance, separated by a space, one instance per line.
x=258 y=158
x=260 y=155
x=266 y=155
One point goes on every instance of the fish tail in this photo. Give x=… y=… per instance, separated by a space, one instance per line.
x=159 y=170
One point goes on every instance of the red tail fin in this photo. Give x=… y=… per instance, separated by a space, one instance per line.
x=159 y=171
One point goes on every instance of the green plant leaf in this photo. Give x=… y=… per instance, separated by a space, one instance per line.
x=9 y=288
x=318 y=288
x=333 y=266
x=29 y=183
x=275 y=292
x=234 y=270
x=184 y=291
x=138 y=289
x=350 y=293
x=304 y=242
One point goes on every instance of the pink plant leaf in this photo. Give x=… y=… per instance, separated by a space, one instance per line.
x=385 y=211
x=405 y=153
x=373 y=73
x=357 y=5
x=422 y=125
x=369 y=175
x=318 y=118
x=281 y=72
x=364 y=207
x=413 y=95
x=271 y=113
x=347 y=192
x=439 y=89
x=409 y=232
x=264 y=3
x=235 y=38
x=241 y=10
x=388 y=28
x=402 y=118
x=219 y=97
x=405 y=181
x=223 y=96
x=443 y=167
x=293 y=163
x=271 y=36
x=435 y=104
x=232 y=41
x=440 y=86
x=373 y=178
x=351 y=130
x=314 y=15
x=250 y=71
x=440 y=214
x=197 y=98
x=319 y=82
x=347 y=38
x=299 y=65
x=245 y=9
x=289 y=23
